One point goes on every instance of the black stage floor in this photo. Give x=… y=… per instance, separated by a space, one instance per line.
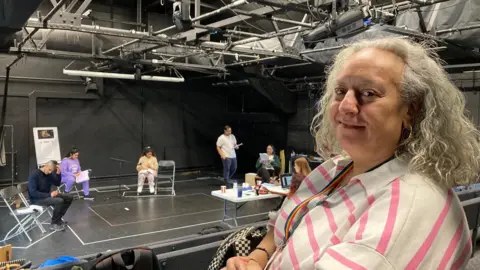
x=111 y=222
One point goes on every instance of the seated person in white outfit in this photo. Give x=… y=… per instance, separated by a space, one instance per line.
x=147 y=168
x=402 y=139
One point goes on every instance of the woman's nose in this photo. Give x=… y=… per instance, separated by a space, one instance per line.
x=349 y=103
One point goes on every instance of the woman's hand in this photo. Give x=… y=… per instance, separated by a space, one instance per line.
x=242 y=263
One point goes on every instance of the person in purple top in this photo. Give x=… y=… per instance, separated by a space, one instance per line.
x=70 y=167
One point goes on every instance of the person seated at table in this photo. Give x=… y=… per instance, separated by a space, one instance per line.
x=147 y=168
x=302 y=169
x=270 y=168
x=70 y=170
x=40 y=184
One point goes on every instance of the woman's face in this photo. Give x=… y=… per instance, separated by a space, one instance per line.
x=149 y=154
x=269 y=150
x=75 y=156
x=367 y=112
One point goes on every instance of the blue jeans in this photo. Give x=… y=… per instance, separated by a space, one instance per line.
x=229 y=168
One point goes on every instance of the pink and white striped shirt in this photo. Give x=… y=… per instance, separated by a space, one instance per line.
x=383 y=219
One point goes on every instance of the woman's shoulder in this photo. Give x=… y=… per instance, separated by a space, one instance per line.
x=420 y=198
x=421 y=208
x=298 y=176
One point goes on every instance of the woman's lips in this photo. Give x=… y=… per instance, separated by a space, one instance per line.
x=350 y=126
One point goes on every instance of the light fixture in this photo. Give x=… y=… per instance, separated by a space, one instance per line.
x=83 y=73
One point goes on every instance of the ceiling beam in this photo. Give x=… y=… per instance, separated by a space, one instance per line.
x=204 y=16
x=288 y=5
x=147 y=62
x=192 y=34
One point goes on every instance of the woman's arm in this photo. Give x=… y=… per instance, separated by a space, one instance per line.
x=140 y=164
x=64 y=169
x=258 y=165
x=155 y=164
x=260 y=256
x=276 y=162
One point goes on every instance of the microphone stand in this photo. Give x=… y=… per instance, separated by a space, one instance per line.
x=120 y=163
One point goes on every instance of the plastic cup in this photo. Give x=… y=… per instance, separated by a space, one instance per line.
x=239 y=192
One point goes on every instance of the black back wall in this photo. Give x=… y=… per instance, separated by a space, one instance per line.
x=299 y=135
x=181 y=121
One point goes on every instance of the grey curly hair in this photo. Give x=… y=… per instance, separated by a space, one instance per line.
x=444 y=144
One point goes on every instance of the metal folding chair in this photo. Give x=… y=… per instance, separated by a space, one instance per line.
x=166 y=170
x=74 y=191
x=23 y=189
x=29 y=214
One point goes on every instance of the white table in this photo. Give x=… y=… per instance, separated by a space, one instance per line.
x=231 y=197
x=276 y=189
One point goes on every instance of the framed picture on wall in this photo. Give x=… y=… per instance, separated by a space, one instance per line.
x=45 y=134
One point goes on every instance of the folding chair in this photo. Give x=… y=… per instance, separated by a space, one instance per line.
x=166 y=170
x=74 y=191
x=29 y=213
x=23 y=189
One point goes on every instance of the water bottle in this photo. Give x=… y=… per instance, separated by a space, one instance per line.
x=235 y=186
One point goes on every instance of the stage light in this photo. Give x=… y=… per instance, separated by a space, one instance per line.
x=344 y=24
x=181 y=15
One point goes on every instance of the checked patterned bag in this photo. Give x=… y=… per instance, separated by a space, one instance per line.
x=239 y=243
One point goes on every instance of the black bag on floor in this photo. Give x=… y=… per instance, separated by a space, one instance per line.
x=131 y=259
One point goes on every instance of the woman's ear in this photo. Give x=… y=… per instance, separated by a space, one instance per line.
x=412 y=112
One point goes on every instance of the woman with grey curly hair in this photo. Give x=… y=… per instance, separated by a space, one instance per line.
x=402 y=140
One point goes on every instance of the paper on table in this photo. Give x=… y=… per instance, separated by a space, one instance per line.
x=275 y=189
x=268 y=185
x=84 y=176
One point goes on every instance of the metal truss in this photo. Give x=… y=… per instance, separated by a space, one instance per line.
x=254 y=49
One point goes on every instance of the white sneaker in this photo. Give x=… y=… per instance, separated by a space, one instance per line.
x=139 y=190
x=152 y=190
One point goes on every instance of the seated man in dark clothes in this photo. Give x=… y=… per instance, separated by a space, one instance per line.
x=40 y=183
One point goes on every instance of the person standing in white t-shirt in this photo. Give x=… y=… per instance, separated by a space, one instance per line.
x=226 y=145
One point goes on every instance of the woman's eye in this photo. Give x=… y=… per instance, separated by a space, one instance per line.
x=368 y=93
x=340 y=91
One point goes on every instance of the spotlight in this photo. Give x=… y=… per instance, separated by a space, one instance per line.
x=344 y=24
x=181 y=15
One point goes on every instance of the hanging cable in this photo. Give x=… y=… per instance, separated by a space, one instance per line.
x=4 y=104
x=5 y=93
